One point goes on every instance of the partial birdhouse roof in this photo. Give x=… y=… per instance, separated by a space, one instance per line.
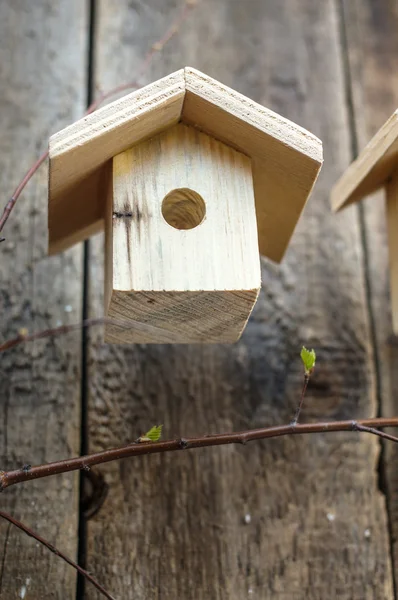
x=373 y=167
x=285 y=157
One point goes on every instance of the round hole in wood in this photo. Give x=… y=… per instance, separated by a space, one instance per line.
x=183 y=208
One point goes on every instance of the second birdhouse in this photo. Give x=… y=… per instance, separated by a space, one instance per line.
x=190 y=180
x=377 y=167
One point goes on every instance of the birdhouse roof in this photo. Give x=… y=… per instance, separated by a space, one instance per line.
x=371 y=169
x=285 y=158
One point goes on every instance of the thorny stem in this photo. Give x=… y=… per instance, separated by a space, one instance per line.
x=8 y=478
x=303 y=391
x=155 y=48
x=55 y=551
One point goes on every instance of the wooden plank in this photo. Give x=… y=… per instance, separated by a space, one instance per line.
x=371 y=169
x=42 y=82
x=392 y=228
x=298 y=518
x=186 y=265
x=73 y=219
x=373 y=47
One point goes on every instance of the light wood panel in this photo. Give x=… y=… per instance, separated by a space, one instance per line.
x=298 y=518
x=286 y=158
x=173 y=283
x=42 y=88
x=392 y=228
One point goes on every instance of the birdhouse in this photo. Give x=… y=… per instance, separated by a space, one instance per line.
x=377 y=167
x=190 y=180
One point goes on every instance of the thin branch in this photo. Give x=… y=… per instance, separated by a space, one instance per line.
x=62 y=329
x=303 y=391
x=55 y=551
x=20 y=187
x=155 y=48
x=386 y=436
x=24 y=336
x=8 y=478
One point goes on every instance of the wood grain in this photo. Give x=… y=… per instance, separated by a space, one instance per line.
x=177 y=284
x=373 y=47
x=42 y=83
x=392 y=228
x=297 y=519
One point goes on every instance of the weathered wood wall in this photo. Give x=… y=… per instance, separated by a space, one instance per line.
x=322 y=508
x=43 y=74
x=372 y=49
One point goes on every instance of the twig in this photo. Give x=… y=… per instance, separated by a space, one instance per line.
x=62 y=329
x=55 y=551
x=303 y=391
x=12 y=201
x=360 y=427
x=155 y=48
x=308 y=358
x=8 y=478
x=24 y=336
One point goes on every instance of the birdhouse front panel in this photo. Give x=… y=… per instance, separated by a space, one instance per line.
x=182 y=220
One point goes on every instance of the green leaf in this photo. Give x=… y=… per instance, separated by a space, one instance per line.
x=308 y=357
x=153 y=435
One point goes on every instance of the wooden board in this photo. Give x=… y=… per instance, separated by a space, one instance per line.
x=286 y=157
x=42 y=88
x=298 y=518
x=373 y=47
x=371 y=170
x=392 y=228
x=186 y=266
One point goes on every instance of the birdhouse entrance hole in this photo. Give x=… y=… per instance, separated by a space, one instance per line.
x=183 y=208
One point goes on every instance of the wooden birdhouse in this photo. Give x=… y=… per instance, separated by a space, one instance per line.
x=190 y=181
x=377 y=167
